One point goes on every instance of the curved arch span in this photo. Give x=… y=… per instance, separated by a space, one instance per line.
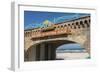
x=45 y=50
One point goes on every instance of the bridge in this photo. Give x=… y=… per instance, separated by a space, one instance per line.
x=41 y=43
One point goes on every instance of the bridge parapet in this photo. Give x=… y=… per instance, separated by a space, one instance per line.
x=70 y=27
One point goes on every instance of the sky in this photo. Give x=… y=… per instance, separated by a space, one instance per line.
x=70 y=47
x=35 y=19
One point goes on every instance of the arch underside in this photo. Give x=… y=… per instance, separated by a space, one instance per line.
x=49 y=46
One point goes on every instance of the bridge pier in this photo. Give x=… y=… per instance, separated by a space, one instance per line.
x=42 y=52
x=30 y=55
x=49 y=52
x=33 y=53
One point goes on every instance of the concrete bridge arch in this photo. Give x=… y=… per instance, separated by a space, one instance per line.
x=52 y=44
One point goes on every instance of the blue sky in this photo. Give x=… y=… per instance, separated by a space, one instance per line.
x=70 y=47
x=34 y=19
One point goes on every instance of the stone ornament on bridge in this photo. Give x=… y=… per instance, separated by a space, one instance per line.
x=51 y=35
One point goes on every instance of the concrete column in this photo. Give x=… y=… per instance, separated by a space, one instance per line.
x=42 y=51
x=38 y=52
x=46 y=51
x=53 y=52
x=49 y=52
x=33 y=53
